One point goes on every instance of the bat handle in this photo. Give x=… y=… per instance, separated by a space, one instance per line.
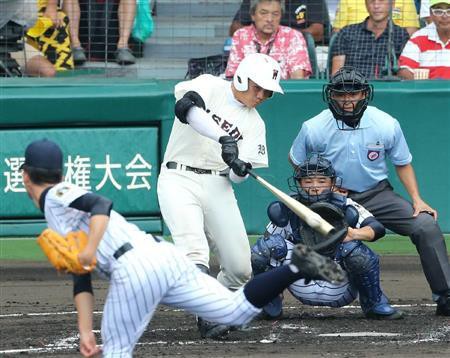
x=252 y=174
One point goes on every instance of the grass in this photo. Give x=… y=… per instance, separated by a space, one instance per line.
x=28 y=249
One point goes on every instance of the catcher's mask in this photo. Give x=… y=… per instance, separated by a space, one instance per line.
x=314 y=179
x=345 y=83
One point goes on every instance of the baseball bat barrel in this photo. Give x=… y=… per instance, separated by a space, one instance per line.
x=306 y=214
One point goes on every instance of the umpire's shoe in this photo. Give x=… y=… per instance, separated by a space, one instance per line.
x=443 y=305
x=314 y=266
x=212 y=329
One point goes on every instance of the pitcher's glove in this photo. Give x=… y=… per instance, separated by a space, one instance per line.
x=62 y=252
x=332 y=214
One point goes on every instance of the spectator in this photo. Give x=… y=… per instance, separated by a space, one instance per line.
x=127 y=10
x=36 y=59
x=267 y=36
x=365 y=46
x=350 y=12
x=50 y=36
x=305 y=15
x=429 y=48
x=21 y=12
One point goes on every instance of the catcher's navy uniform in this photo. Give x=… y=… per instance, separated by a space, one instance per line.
x=360 y=262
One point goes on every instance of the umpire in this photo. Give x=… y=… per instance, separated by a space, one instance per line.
x=357 y=139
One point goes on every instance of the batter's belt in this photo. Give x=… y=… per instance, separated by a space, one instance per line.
x=179 y=166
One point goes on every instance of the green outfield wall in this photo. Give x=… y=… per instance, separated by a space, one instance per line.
x=113 y=133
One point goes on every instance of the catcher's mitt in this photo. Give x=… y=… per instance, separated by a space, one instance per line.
x=335 y=216
x=62 y=252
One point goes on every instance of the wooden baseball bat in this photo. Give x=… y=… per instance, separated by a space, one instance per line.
x=306 y=214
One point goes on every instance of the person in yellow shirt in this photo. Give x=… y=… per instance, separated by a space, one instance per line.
x=50 y=36
x=47 y=43
x=404 y=14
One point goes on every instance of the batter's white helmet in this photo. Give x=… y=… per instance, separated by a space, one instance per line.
x=261 y=69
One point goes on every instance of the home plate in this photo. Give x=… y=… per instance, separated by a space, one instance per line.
x=360 y=334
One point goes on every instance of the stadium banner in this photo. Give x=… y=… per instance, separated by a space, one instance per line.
x=121 y=163
x=123 y=118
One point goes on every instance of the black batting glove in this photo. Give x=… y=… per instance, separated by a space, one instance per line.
x=240 y=167
x=230 y=151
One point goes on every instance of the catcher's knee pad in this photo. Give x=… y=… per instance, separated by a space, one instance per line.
x=265 y=249
x=357 y=257
x=278 y=213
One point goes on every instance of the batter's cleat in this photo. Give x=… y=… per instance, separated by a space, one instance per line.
x=212 y=329
x=314 y=266
x=443 y=305
x=384 y=311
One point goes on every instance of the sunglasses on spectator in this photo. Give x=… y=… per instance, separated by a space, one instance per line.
x=440 y=12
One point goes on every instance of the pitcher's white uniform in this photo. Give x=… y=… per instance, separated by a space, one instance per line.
x=148 y=273
x=201 y=207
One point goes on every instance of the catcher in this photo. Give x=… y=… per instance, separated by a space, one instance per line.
x=316 y=186
x=142 y=270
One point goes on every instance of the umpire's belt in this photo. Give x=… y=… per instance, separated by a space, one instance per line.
x=121 y=250
x=175 y=165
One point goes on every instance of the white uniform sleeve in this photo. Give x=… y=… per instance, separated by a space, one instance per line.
x=199 y=120
x=253 y=147
x=66 y=193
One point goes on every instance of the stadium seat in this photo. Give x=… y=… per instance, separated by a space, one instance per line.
x=312 y=54
x=330 y=57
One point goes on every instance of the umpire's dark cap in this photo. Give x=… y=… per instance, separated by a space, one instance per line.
x=43 y=154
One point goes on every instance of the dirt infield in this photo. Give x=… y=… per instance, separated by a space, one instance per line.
x=37 y=319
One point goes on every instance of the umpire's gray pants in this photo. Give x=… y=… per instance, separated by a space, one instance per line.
x=395 y=213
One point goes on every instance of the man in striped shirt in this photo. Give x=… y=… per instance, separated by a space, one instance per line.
x=429 y=48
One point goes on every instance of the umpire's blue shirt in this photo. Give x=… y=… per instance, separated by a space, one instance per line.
x=358 y=156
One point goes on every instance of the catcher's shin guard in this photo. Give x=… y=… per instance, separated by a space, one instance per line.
x=313 y=266
x=363 y=268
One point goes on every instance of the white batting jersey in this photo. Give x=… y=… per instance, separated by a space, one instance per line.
x=188 y=147
x=63 y=219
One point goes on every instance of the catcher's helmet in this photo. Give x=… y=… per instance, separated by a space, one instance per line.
x=347 y=80
x=314 y=166
x=261 y=69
